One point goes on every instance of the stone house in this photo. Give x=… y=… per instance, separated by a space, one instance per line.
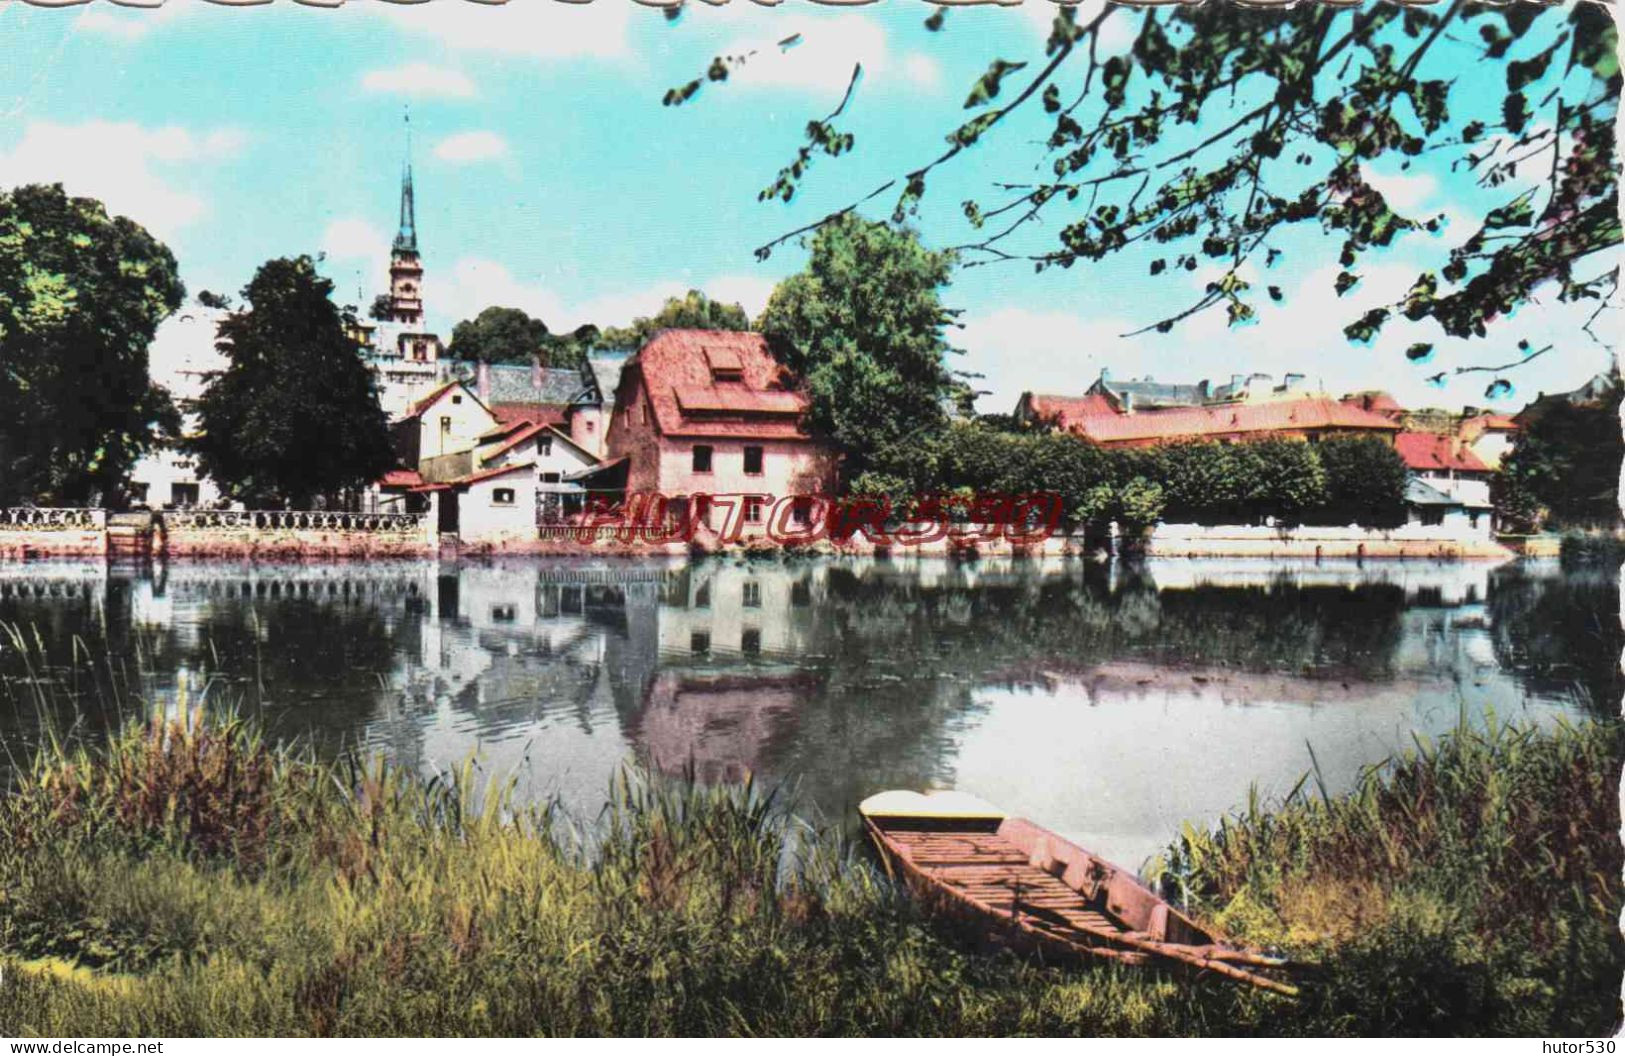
x=702 y=413
x=1446 y=466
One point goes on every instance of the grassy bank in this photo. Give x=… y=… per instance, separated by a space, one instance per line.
x=190 y=879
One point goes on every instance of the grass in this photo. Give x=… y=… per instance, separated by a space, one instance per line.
x=188 y=878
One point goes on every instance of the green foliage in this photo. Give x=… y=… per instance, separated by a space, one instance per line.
x=81 y=296
x=862 y=326
x=1337 y=481
x=499 y=335
x=1365 y=480
x=1564 y=468
x=1140 y=503
x=379 y=311
x=1469 y=888
x=1223 y=127
x=295 y=413
x=692 y=311
x=1469 y=885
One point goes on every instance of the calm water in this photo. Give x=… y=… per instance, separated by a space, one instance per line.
x=1112 y=704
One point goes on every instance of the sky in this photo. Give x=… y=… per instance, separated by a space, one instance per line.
x=550 y=177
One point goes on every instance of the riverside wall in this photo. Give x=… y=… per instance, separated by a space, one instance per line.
x=293 y=535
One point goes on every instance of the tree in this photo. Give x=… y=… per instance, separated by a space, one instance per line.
x=1222 y=129
x=1365 y=481
x=693 y=311
x=862 y=327
x=81 y=296
x=572 y=349
x=499 y=335
x=295 y=414
x=1289 y=481
x=1565 y=462
x=381 y=310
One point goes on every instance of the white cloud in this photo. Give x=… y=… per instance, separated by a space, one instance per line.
x=750 y=292
x=1021 y=350
x=822 y=59
x=532 y=28
x=355 y=239
x=922 y=69
x=420 y=80
x=466 y=147
x=123 y=22
x=138 y=185
x=1116 y=35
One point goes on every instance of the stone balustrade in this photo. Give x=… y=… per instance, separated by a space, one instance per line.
x=51 y=519
x=294 y=521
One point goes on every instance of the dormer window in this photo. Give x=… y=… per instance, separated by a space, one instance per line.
x=725 y=365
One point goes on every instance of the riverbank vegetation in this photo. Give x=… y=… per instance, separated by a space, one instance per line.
x=187 y=877
x=1342 y=480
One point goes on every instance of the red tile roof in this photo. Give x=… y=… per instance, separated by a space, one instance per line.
x=548 y=413
x=1065 y=411
x=1228 y=420
x=429 y=400
x=725 y=399
x=1376 y=401
x=676 y=367
x=1432 y=451
x=523 y=433
x=400 y=478
x=475 y=478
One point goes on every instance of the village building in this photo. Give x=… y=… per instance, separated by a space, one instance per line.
x=1449 y=484
x=702 y=413
x=181 y=360
x=453 y=446
x=1146 y=394
x=402 y=352
x=1111 y=421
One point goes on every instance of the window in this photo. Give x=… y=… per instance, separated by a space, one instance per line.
x=445 y=423
x=801 y=509
x=590 y=425
x=183 y=494
x=801 y=593
x=544 y=445
x=454 y=399
x=753 y=461
x=702 y=458
x=699 y=643
x=138 y=492
x=753 y=509
x=502 y=497
x=750 y=641
x=702 y=597
x=1433 y=516
x=643 y=413
x=503 y=613
x=550 y=478
x=752 y=594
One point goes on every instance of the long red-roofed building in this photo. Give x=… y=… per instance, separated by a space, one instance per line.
x=1102 y=420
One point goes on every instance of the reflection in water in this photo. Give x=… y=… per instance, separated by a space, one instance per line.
x=1110 y=702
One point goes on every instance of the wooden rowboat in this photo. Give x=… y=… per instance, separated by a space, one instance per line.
x=1044 y=893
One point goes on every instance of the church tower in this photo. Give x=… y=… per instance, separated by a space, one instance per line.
x=405 y=266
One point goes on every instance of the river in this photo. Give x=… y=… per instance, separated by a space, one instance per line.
x=1112 y=703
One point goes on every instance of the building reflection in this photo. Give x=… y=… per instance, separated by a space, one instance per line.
x=839 y=676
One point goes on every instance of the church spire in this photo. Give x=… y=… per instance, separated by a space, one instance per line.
x=406 y=240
